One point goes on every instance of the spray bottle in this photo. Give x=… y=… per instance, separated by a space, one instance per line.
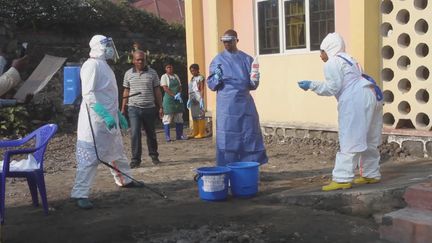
x=254 y=75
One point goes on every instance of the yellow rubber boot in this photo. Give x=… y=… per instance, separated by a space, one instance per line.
x=336 y=186
x=194 y=129
x=201 y=129
x=365 y=180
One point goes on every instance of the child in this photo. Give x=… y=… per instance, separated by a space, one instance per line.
x=196 y=102
x=172 y=103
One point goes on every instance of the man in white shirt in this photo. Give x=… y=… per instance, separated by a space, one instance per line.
x=12 y=78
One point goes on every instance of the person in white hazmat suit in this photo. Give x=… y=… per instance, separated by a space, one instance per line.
x=359 y=115
x=100 y=98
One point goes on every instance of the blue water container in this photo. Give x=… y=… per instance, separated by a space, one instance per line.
x=213 y=183
x=244 y=178
x=71 y=83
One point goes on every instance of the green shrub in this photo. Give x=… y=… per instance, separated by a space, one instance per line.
x=14 y=121
x=84 y=16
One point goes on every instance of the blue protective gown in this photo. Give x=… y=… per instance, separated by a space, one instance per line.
x=238 y=132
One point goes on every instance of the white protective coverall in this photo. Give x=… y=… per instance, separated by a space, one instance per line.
x=98 y=86
x=9 y=80
x=359 y=112
x=3 y=63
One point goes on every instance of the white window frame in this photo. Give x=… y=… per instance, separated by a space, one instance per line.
x=282 y=43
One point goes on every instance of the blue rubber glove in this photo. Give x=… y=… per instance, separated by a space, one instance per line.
x=123 y=121
x=218 y=73
x=304 y=84
x=189 y=104
x=108 y=118
x=178 y=97
x=201 y=104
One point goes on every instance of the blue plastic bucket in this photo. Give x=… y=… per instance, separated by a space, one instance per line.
x=213 y=182
x=244 y=178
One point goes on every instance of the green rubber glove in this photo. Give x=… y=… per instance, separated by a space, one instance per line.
x=108 y=118
x=123 y=121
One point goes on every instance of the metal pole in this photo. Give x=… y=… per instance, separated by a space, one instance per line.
x=112 y=167
x=179 y=7
x=157 y=7
x=132 y=95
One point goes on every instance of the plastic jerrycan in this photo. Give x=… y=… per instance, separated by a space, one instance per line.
x=71 y=83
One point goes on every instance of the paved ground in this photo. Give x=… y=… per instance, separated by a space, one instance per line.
x=288 y=208
x=363 y=200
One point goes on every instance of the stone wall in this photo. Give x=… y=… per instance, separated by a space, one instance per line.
x=393 y=146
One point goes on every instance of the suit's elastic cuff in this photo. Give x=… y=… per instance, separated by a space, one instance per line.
x=313 y=85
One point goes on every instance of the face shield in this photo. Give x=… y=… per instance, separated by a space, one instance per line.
x=110 y=49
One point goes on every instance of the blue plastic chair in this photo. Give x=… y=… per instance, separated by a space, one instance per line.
x=35 y=178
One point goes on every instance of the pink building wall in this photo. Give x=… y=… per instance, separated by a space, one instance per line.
x=207 y=38
x=170 y=10
x=342 y=20
x=244 y=25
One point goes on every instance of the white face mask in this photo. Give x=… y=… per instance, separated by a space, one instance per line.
x=109 y=53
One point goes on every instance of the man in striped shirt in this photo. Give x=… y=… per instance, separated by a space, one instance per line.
x=142 y=108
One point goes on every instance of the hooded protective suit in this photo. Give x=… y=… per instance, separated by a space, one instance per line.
x=238 y=132
x=359 y=112
x=99 y=86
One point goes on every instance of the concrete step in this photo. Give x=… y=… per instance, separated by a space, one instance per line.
x=419 y=196
x=407 y=225
x=362 y=200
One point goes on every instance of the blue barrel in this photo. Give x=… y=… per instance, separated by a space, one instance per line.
x=213 y=182
x=71 y=83
x=244 y=178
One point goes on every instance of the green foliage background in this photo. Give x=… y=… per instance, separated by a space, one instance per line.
x=83 y=18
x=14 y=121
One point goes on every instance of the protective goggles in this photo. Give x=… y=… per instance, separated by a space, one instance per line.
x=228 y=38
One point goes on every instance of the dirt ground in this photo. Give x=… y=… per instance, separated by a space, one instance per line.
x=138 y=215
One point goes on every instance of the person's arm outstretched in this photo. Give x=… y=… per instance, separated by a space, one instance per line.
x=334 y=79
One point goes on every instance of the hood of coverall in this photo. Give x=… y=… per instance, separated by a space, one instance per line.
x=97 y=48
x=333 y=44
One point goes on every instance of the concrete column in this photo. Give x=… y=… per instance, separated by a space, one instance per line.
x=217 y=17
x=206 y=21
x=220 y=18
x=364 y=27
x=194 y=33
x=194 y=37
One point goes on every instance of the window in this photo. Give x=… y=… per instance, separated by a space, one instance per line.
x=303 y=26
x=268 y=17
x=295 y=24
x=321 y=21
